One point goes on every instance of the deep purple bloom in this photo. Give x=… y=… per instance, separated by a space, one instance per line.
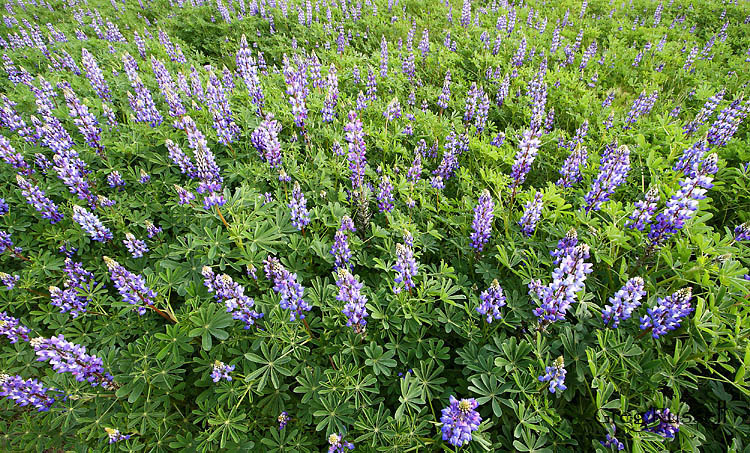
x=624 y=302
x=207 y=171
x=742 y=232
x=406 y=266
x=614 y=168
x=531 y=214
x=132 y=287
x=27 y=392
x=668 y=313
x=114 y=435
x=555 y=375
x=283 y=419
x=12 y=328
x=385 y=194
x=644 y=210
x=356 y=156
x=459 y=420
x=337 y=444
x=340 y=249
x=91 y=224
x=95 y=75
x=67 y=357
x=570 y=173
x=35 y=197
x=115 y=180
x=286 y=285
x=248 y=70
x=354 y=301
x=185 y=196
x=221 y=111
x=265 y=138
x=691 y=158
x=221 y=371
x=180 y=159
x=298 y=205
x=8 y=280
x=482 y=224
x=528 y=148
x=232 y=294
x=492 y=299
x=664 y=422
x=136 y=247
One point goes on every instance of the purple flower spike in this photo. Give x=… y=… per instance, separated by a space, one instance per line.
x=624 y=302
x=482 y=225
x=555 y=375
x=668 y=313
x=221 y=371
x=459 y=420
x=492 y=299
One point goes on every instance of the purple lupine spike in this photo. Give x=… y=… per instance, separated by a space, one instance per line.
x=68 y=300
x=555 y=375
x=337 y=444
x=168 y=88
x=221 y=371
x=668 y=313
x=181 y=159
x=67 y=357
x=196 y=87
x=218 y=104
x=459 y=419
x=565 y=246
x=742 y=232
x=131 y=287
x=9 y=281
x=233 y=295
x=454 y=146
x=114 y=435
x=492 y=299
x=570 y=173
x=95 y=75
x=527 y=151
x=482 y=224
x=142 y=103
x=354 y=301
x=385 y=194
x=445 y=95
x=392 y=110
x=114 y=179
x=665 y=423
x=10 y=118
x=283 y=419
x=87 y=123
x=691 y=157
x=727 y=122
x=185 y=196
x=4 y=208
x=136 y=247
x=415 y=171
x=406 y=266
x=471 y=102
x=152 y=230
x=144 y=177
x=644 y=210
x=286 y=285
x=248 y=70
x=91 y=224
x=567 y=280
x=27 y=392
x=296 y=88
x=705 y=112
x=265 y=138
x=298 y=206
x=498 y=140
x=383 y=57
x=625 y=301
x=357 y=149
x=614 y=168
x=531 y=214
x=340 y=250
x=682 y=205
x=331 y=101
x=35 y=197
x=207 y=171
x=9 y=155
x=12 y=328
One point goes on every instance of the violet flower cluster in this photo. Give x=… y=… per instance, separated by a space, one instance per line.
x=132 y=287
x=265 y=138
x=459 y=420
x=644 y=210
x=337 y=444
x=625 y=301
x=340 y=250
x=136 y=247
x=527 y=151
x=12 y=328
x=285 y=284
x=36 y=197
x=668 y=313
x=614 y=168
x=91 y=224
x=356 y=156
x=406 y=265
x=220 y=371
x=67 y=357
x=232 y=294
x=491 y=300
x=555 y=375
x=662 y=422
x=531 y=214
x=482 y=224
x=27 y=392
x=354 y=301
x=298 y=205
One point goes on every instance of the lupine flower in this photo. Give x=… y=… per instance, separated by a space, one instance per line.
x=180 y=159
x=406 y=267
x=95 y=75
x=185 y=196
x=727 y=122
x=28 y=392
x=115 y=435
x=666 y=423
x=459 y=420
x=555 y=375
x=644 y=210
x=385 y=194
x=12 y=328
x=742 y=232
x=68 y=300
x=340 y=249
x=285 y=284
x=531 y=214
x=705 y=113
x=445 y=95
x=283 y=419
x=136 y=247
x=691 y=157
x=131 y=287
x=91 y=224
x=233 y=295
x=415 y=171
x=265 y=138
x=9 y=155
x=611 y=441
x=71 y=169
x=4 y=208
x=624 y=302
x=218 y=105
x=392 y=110
x=338 y=444
x=145 y=177
x=570 y=173
x=9 y=281
x=115 y=180
x=492 y=299
x=357 y=158
x=354 y=300
x=567 y=280
x=528 y=148
x=482 y=224
x=614 y=168
x=141 y=103
x=331 y=100
x=248 y=70
x=152 y=230
x=298 y=206
x=35 y=197
x=221 y=371
x=87 y=123
x=208 y=171
x=683 y=205
x=67 y=357
x=668 y=313
x=296 y=88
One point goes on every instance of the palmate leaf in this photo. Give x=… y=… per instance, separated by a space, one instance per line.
x=211 y=321
x=335 y=414
x=381 y=362
x=271 y=361
x=411 y=396
x=490 y=389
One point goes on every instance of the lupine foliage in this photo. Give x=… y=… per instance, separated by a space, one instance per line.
x=286 y=225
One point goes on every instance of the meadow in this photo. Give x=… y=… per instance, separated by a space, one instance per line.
x=370 y=226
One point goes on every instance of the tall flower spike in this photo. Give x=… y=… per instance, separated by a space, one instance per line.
x=492 y=299
x=555 y=375
x=406 y=267
x=12 y=328
x=482 y=224
x=644 y=210
x=570 y=173
x=385 y=194
x=357 y=150
x=27 y=392
x=459 y=420
x=340 y=249
x=668 y=313
x=136 y=247
x=265 y=138
x=624 y=302
x=614 y=168
x=91 y=224
x=527 y=150
x=286 y=285
x=298 y=206
x=233 y=295
x=531 y=214
x=354 y=301
x=67 y=357
x=131 y=287
x=35 y=197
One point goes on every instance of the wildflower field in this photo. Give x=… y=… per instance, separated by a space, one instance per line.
x=374 y=225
